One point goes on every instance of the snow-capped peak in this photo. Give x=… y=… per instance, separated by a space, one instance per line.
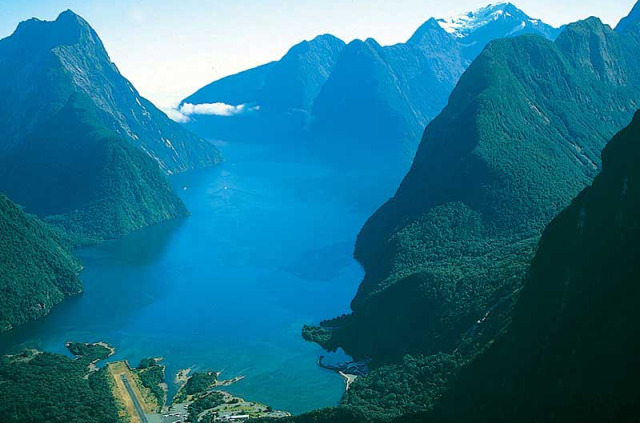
x=464 y=24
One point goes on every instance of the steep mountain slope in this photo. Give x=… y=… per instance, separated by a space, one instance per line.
x=86 y=179
x=36 y=271
x=520 y=137
x=79 y=146
x=571 y=353
x=43 y=63
x=272 y=101
x=377 y=94
x=379 y=99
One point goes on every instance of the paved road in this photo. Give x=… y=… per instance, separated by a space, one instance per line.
x=139 y=409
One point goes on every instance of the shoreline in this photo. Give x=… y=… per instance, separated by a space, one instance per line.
x=348 y=378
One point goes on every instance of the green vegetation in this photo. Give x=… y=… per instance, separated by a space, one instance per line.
x=41 y=387
x=87 y=153
x=151 y=375
x=36 y=271
x=87 y=180
x=197 y=383
x=89 y=352
x=447 y=257
x=65 y=58
x=200 y=382
x=520 y=138
x=413 y=385
x=205 y=402
x=145 y=363
x=571 y=352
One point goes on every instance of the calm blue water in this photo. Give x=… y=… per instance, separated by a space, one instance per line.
x=267 y=249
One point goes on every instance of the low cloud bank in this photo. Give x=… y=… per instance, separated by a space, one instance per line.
x=184 y=112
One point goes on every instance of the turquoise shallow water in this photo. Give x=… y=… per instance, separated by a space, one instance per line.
x=268 y=248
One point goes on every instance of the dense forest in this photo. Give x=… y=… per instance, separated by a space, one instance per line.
x=36 y=269
x=568 y=354
x=97 y=187
x=80 y=146
x=40 y=387
x=197 y=383
x=152 y=376
x=571 y=352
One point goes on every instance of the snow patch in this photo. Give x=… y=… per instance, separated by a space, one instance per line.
x=466 y=23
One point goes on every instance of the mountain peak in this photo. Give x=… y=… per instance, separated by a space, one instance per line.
x=464 y=24
x=68 y=28
x=327 y=38
x=325 y=42
x=70 y=18
x=427 y=32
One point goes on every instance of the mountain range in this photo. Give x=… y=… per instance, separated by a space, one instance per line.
x=501 y=278
x=362 y=104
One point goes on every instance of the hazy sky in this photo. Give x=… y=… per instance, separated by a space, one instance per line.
x=170 y=48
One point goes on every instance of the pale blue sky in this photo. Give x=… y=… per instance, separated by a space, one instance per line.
x=169 y=48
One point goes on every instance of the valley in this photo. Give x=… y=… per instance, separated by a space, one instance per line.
x=283 y=245
x=185 y=289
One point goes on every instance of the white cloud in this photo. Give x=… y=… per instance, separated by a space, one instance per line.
x=175 y=115
x=215 y=109
x=183 y=113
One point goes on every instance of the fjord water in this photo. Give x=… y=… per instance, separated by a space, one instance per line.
x=268 y=248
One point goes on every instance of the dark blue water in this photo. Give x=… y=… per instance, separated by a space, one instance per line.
x=268 y=248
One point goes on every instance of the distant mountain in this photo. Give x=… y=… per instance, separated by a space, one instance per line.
x=79 y=146
x=379 y=99
x=520 y=137
x=571 y=352
x=363 y=104
x=36 y=271
x=271 y=102
x=475 y=29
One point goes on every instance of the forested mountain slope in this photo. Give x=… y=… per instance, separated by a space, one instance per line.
x=84 y=178
x=36 y=270
x=521 y=136
x=571 y=352
x=79 y=146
